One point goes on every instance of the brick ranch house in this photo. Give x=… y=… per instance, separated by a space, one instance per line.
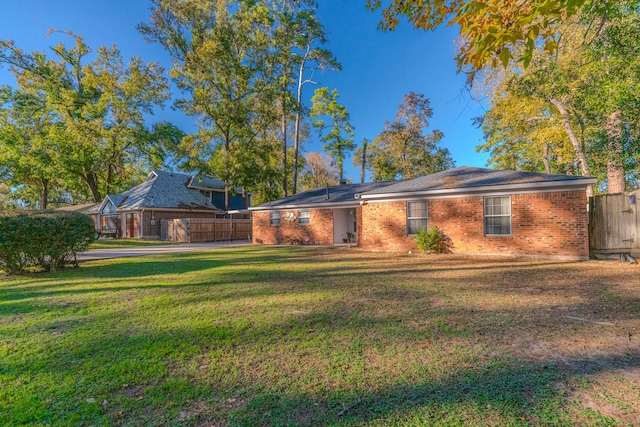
x=483 y=211
x=139 y=211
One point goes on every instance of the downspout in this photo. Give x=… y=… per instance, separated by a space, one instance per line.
x=141 y=225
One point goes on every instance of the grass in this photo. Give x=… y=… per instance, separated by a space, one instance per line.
x=109 y=243
x=307 y=336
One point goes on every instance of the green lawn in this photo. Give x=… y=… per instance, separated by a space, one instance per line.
x=109 y=243
x=307 y=336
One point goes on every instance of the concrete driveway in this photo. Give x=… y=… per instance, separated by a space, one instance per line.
x=154 y=250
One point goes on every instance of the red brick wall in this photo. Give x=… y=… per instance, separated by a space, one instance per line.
x=542 y=224
x=319 y=231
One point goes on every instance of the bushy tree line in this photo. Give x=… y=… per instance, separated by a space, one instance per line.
x=74 y=125
x=45 y=240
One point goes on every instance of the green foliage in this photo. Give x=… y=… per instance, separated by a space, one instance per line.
x=403 y=149
x=338 y=140
x=47 y=240
x=577 y=110
x=74 y=126
x=434 y=240
x=232 y=81
x=492 y=31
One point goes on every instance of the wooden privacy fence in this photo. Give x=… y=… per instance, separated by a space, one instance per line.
x=614 y=223
x=194 y=230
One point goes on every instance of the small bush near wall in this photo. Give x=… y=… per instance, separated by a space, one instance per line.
x=434 y=240
x=46 y=240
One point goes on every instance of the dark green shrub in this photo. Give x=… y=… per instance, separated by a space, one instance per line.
x=47 y=240
x=434 y=240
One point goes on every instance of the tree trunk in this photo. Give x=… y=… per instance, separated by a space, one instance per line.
x=365 y=143
x=615 y=166
x=284 y=146
x=577 y=147
x=545 y=158
x=44 y=196
x=109 y=179
x=92 y=182
x=296 y=136
x=227 y=196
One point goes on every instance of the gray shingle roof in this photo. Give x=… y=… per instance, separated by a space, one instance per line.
x=450 y=180
x=205 y=182
x=470 y=177
x=338 y=194
x=163 y=190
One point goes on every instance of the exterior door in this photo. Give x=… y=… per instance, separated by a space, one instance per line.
x=131 y=225
x=344 y=226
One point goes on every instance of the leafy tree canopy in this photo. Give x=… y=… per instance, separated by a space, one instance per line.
x=492 y=31
x=403 y=149
x=80 y=123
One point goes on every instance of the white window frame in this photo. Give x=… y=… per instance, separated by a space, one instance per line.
x=304 y=217
x=425 y=217
x=274 y=219
x=487 y=216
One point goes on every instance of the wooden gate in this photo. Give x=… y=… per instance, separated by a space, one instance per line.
x=614 y=223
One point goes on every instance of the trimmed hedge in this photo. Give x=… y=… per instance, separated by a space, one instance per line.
x=47 y=240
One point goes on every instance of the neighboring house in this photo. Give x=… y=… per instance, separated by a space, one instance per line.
x=139 y=211
x=483 y=211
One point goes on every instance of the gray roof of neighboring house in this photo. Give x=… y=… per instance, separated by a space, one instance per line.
x=469 y=177
x=338 y=194
x=77 y=208
x=161 y=190
x=205 y=182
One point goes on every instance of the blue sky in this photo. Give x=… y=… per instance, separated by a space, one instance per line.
x=378 y=68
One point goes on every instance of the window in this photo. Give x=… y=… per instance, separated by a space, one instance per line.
x=497 y=215
x=274 y=218
x=304 y=217
x=417 y=215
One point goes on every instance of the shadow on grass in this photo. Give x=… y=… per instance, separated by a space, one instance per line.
x=198 y=341
x=494 y=393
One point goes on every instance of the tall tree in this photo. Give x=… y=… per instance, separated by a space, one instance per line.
x=97 y=109
x=588 y=89
x=298 y=40
x=25 y=155
x=522 y=133
x=338 y=138
x=220 y=57
x=403 y=150
x=360 y=158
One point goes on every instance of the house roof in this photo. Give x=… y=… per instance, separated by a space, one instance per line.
x=76 y=208
x=337 y=195
x=160 y=190
x=471 y=179
x=454 y=181
x=205 y=183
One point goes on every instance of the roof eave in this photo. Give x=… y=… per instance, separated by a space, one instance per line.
x=349 y=203
x=484 y=189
